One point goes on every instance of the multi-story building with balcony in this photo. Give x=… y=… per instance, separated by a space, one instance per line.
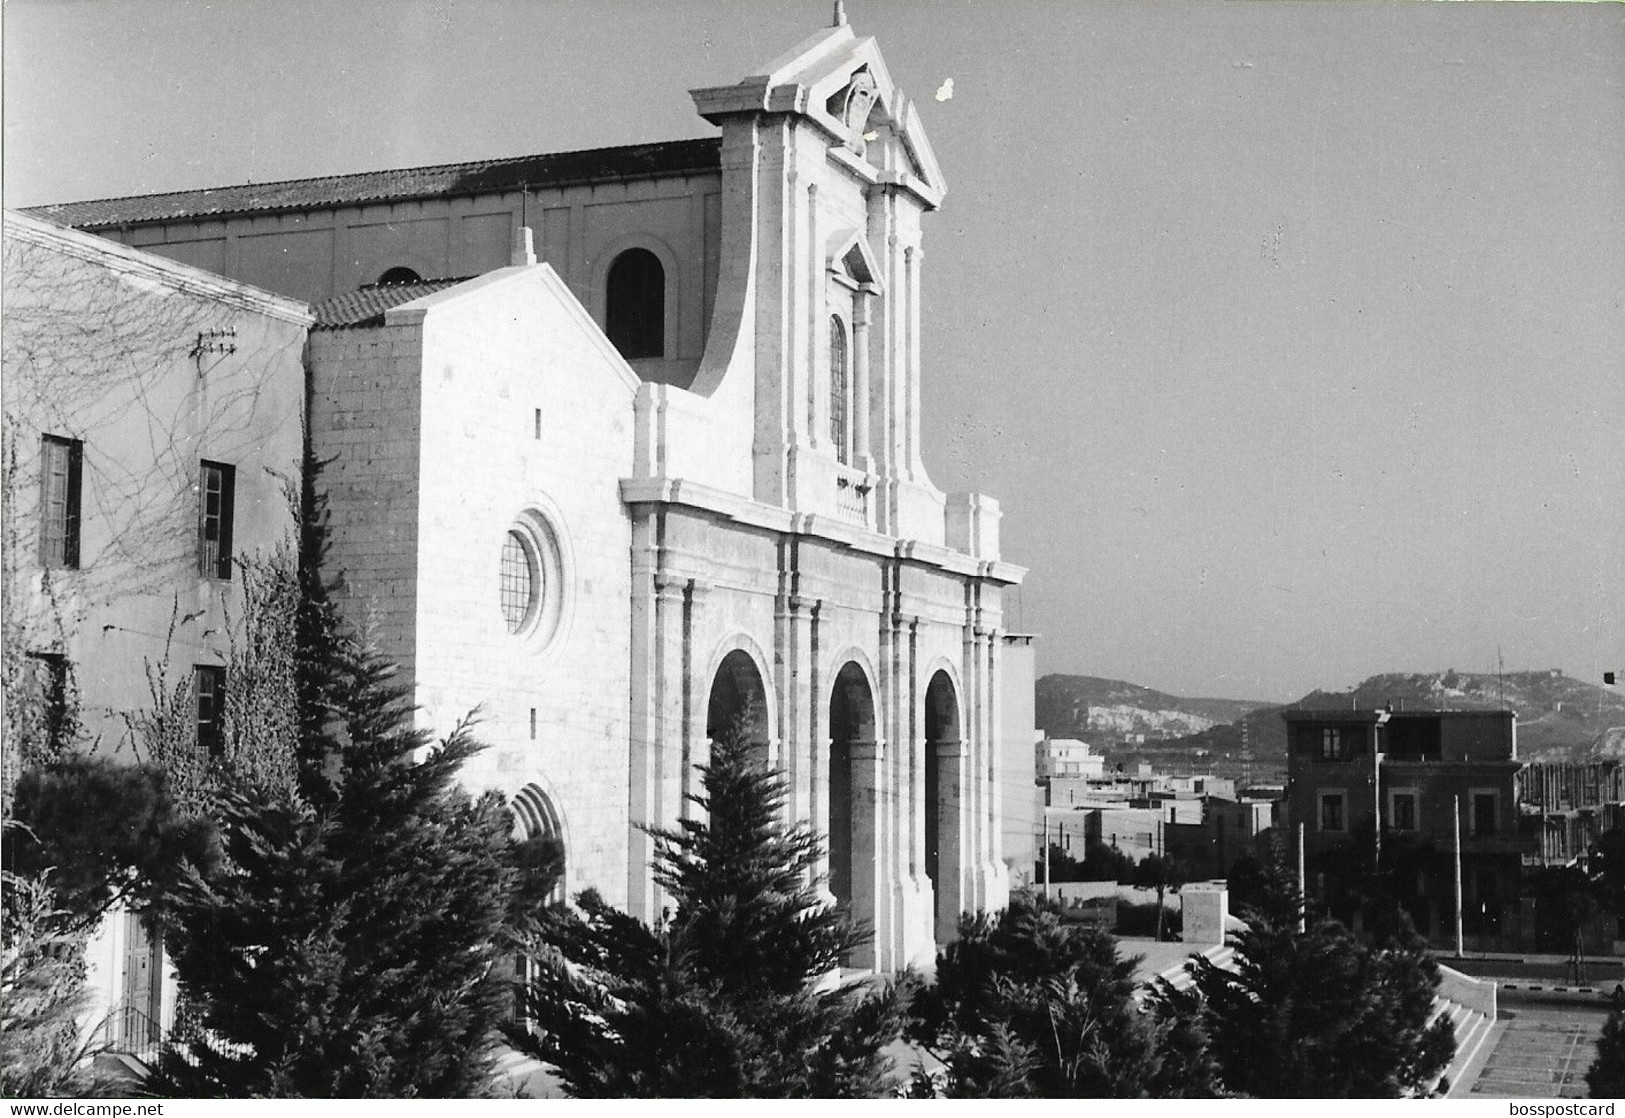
x=1402 y=789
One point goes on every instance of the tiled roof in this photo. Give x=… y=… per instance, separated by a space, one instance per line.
x=448 y=179
x=366 y=306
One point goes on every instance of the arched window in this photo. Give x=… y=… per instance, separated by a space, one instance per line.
x=635 y=304
x=400 y=274
x=838 y=409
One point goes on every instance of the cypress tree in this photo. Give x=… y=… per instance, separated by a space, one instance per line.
x=1605 y=1078
x=729 y=996
x=1027 y=1006
x=348 y=946
x=1317 y=1014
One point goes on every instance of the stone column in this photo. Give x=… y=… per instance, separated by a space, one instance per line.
x=952 y=895
x=868 y=850
x=862 y=451
x=817 y=745
x=661 y=804
x=644 y=746
x=996 y=895
x=696 y=743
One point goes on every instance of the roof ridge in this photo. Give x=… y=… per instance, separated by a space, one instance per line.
x=46 y=207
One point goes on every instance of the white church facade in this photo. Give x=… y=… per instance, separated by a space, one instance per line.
x=625 y=444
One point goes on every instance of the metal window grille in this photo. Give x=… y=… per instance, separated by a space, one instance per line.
x=216 y=485
x=1331 y=813
x=1404 y=813
x=61 y=468
x=519 y=578
x=837 y=388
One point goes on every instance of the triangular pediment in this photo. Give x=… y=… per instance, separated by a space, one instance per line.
x=841 y=83
x=848 y=253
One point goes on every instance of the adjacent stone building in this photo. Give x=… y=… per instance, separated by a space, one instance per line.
x=152 y=428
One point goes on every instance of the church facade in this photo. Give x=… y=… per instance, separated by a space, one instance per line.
x=624 y=449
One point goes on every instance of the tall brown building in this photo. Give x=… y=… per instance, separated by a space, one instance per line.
x=1396 y=790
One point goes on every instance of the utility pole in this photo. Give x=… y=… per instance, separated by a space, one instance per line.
x=1303 y=884
x=1046 y=855
x=1455 y=819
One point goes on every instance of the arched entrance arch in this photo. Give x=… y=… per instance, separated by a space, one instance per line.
x=854 y=782
x=537 y=817
x=738 y=702
x=944 y=804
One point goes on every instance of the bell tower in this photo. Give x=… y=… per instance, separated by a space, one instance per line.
x=826 y=175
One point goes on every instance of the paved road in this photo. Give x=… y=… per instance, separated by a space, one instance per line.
x=1544 y=1052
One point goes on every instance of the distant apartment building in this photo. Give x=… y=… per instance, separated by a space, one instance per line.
x=1201 y=785
x=1067 y=758
x=1227 y=830
x=1134 y=831
x=1365 y=784
x=1566 y=807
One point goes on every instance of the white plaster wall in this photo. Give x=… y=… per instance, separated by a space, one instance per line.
x=101 y=352
x=493 y=353
x=98 y=346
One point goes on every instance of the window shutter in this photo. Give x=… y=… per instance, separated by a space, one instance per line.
x=70 y=537
x=228 y=503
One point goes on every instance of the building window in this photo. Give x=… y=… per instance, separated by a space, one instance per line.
x=400 y=274
x=635 y=304
x=839 y=423
x=216 y=495
x=1331 y=811
x=48 y=684
x=1331 y=745
x=1403 y=813
x=61 y=465
x=1484 y=813
x=209 y=688
x=521 y=581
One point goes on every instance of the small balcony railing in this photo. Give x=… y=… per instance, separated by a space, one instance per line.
x=130 y=1031
x=852 y=489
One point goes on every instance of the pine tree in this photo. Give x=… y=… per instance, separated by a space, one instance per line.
x=722 y=998
x=1317 y=1014
x=349 y=945
x=1026 y=1005
x=1606 y=1077
x=106 y=833
x=42 y=993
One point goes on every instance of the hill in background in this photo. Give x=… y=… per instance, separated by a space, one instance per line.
x=1559 y=718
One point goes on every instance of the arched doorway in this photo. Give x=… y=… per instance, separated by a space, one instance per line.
x=853 y=784
x=536 y=818
x=739 y=702
x=943 y=804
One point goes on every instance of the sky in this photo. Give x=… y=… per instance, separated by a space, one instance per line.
x=1290 y=336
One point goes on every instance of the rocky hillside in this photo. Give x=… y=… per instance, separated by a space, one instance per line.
x=1108 y=711
x=1559 y=718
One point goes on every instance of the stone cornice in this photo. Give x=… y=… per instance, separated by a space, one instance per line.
x=743 y=510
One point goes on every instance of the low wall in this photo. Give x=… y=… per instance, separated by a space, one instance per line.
x=1476 y=994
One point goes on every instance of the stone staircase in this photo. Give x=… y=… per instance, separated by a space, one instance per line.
x=1469 y=1004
